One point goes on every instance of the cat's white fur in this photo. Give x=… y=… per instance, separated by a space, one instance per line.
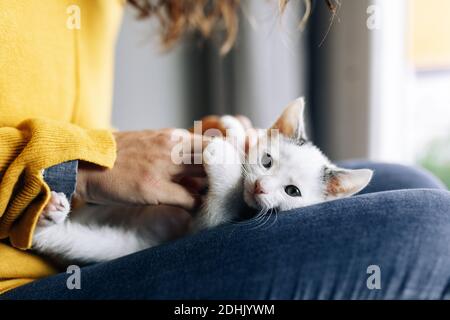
x=232 y=181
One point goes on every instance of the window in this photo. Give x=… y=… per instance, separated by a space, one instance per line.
x=411 y=85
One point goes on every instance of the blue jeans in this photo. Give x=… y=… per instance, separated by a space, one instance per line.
x=318 y=252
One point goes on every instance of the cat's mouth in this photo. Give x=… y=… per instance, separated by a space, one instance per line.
x=255 y=201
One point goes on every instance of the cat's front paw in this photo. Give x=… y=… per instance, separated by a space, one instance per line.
x=213 y=152
x=55 y=212
x=220 y=152
x=234 y=129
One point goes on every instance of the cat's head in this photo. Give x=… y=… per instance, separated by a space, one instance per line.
x=295 y=173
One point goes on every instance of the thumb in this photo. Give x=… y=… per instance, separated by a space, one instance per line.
x=177 y=195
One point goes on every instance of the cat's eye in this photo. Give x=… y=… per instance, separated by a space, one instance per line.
x=266 y=161
x=292 y=191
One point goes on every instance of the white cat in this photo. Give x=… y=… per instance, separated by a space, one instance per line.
x=274 y=175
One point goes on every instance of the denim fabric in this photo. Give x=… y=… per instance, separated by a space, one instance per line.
x=62 y=178
x=318 y=252
x=395 y=176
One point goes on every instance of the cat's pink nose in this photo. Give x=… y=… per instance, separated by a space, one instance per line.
x=258 y=188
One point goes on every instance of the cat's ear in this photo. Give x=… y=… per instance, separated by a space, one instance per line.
x=341 y=183
x=291 y=123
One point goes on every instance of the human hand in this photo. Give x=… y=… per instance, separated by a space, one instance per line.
x=144 y=173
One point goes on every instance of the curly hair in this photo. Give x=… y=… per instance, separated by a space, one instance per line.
x=178 y=17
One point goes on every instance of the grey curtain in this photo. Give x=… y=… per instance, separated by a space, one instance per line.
x=260 y=75
x=272 y=63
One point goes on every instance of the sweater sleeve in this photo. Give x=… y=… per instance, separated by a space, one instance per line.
x=28 y=149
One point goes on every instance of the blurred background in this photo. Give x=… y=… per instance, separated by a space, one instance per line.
x=376 y=77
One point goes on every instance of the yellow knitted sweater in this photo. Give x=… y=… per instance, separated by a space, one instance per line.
x=56 y=67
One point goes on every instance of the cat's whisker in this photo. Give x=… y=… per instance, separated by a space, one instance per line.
x=260 y=217
x=275 y=219
x=248 y=221
x=261 y=220
x=265 y=219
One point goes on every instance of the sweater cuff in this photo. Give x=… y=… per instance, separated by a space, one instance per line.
x=62 y=178
x=48 y=143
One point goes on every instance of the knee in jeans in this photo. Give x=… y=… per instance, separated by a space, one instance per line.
x=423 y=212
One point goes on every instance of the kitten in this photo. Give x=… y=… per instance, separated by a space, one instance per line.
x=278 y=172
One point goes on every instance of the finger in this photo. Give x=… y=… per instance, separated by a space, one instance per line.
x=210 y=122
x=251 y=140
x=195 y=185
x=198 y=142
x=174 y=194
x=246 y=123
x=188 y=170
x=190 y=141
x=190 y=147
x=196 y=145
